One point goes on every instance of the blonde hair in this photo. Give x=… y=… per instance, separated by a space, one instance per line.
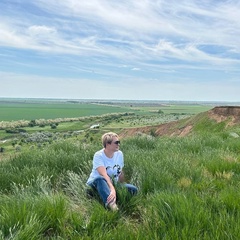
x=108 y=138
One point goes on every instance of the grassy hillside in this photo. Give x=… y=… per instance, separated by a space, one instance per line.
x=189 y=189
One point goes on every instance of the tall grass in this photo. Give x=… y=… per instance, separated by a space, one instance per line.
x=188 y=189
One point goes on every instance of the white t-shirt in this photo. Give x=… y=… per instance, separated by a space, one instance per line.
x=113 y=165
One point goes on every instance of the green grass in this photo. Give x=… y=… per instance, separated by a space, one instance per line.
x=188 y=189
x=178 y=108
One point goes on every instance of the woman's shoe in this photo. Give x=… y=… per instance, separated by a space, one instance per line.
x=113 y=206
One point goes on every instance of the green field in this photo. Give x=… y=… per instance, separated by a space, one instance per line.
x=19 y=110
x=28 y=111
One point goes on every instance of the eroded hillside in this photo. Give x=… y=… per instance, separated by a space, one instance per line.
x=228 y=114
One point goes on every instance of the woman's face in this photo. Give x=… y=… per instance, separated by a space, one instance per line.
x=115 y=144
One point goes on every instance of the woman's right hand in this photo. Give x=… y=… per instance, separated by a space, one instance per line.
x=112 y=196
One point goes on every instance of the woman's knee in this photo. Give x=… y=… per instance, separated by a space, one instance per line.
x=99 y=181
x=132 y=189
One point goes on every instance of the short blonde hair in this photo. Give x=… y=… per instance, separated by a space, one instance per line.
x=108 y=138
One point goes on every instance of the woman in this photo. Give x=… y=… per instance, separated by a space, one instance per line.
x=107 y=169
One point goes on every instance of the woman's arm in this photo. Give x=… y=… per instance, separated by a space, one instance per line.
x=121 y=177
x=112 y=196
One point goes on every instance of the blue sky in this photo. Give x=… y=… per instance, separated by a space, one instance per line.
x=130 y=49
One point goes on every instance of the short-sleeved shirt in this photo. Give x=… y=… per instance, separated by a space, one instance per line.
x=113 y=165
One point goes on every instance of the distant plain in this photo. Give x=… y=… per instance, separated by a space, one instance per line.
x=28 y=109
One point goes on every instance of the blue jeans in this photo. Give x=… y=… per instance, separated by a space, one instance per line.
x=100 y=184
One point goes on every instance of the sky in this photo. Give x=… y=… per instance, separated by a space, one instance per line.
x=186 y=50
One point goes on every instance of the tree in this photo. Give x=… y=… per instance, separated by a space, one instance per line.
x=32 y=123
x=53 y=126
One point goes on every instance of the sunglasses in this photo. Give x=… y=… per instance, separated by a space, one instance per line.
x=116 y=142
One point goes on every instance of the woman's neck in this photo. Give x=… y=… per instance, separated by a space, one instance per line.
x=108 y=153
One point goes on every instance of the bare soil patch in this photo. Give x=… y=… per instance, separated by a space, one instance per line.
x=225 y=113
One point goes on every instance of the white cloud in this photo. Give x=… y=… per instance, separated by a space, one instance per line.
x=136 y=69
x=9 y=37
x=135 y=25
x=37 y=30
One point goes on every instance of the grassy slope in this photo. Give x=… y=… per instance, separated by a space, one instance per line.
x=188 y=190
